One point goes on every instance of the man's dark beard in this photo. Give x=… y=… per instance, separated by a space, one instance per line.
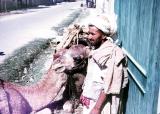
x=96 y=44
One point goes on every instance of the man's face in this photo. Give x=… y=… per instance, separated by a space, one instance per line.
x=95 y=36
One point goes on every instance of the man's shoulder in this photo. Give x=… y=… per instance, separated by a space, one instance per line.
x=105 y=51
x=112 y=49
x=107 y=45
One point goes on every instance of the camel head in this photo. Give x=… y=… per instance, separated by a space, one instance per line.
x=67 y=60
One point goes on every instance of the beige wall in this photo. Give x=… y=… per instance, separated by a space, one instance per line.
x=105 y=6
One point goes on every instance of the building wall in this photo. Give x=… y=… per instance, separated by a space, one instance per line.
x=6 y=5
x=139 y=30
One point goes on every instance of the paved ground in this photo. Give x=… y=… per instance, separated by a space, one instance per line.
x=19 y=27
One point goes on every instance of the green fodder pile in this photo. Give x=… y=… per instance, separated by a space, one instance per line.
x=15 y=66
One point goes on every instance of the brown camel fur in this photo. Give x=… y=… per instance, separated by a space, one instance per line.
x=17 y=99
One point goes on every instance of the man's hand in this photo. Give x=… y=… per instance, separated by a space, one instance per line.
x=95 y=111
x=99 y=104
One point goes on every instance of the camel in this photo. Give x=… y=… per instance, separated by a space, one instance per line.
x=18 y=99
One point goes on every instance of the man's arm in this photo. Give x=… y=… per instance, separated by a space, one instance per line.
x=99 y=104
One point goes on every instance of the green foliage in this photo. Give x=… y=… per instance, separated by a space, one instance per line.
x=13 y=67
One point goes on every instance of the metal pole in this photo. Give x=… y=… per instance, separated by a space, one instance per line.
x=0 y=5
x=5 y=6
x=26 y=4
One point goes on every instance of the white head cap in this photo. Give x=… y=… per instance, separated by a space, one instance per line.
x=106 y=23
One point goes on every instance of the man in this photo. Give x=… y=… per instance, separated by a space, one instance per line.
x=105 y=77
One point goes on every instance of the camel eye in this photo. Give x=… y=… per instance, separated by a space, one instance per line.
x=77 y=59
x=60 y=69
